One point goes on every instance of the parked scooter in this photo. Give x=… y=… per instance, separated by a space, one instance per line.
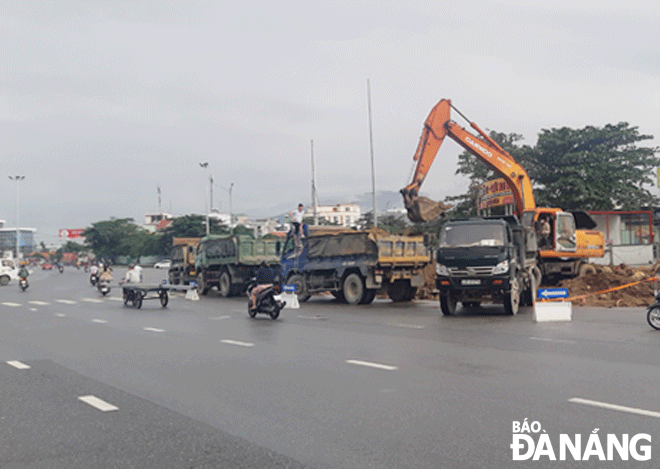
x=266 y=302
x=103 y=287
x=23 y=283
x=653 y=312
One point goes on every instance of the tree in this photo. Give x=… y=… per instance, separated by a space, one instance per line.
x=392 y=223
x=113 y=238
x=593 y=168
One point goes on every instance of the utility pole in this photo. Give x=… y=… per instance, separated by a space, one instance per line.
x=371 y=146
x=314 y=195
x=17 y=179
x=206 y=207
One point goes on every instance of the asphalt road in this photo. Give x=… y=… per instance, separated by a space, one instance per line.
x=199 y=384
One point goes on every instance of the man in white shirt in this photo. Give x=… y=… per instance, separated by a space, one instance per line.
x=297 y=218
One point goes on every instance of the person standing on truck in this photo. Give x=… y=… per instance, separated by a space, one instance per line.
x=297 y=218
x=265 y=278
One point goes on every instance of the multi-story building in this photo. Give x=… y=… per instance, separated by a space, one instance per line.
x=341 y=214
x=8 y=240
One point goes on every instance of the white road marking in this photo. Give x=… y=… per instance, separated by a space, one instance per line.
x=373 y=365
x=409 y=326
x=18 y=365
x=99 y=321
x=60 y=315
x=39 y=303
x=605 y=405
x=237 y=342
x=34 y=309
x=218 y=318
x=67 y=302
x=98 y=403
x=550 y=339
x=92 y=300
x=153 y=329
x=114 y=298
x=9 y=303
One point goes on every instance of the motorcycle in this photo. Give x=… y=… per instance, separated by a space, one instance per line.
x=103 y=286
x=60 y=268
x=653 y=312
x=23 y=283
x=93 y=279
x=266 y=302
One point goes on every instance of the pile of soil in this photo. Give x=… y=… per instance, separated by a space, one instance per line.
x=590 y=289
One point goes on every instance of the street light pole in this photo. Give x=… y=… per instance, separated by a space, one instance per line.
x=17 y=179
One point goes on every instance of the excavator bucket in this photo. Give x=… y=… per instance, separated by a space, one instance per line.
x=423 y=209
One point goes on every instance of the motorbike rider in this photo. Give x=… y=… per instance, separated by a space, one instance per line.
x=106 y=275
x=265 y=278
x=23 y=272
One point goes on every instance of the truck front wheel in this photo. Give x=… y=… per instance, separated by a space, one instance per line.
x=202 y=289
x=301 y=291
x=512 y=298
x=448 y=304
x=225 y=284
x=353 y=289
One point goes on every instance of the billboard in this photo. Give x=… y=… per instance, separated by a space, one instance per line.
x=494 y=193
x=72 y=233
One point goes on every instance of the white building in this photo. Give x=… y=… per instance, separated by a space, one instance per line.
x=346 y=215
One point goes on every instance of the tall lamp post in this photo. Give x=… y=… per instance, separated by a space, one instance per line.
x=208 y=228
x=231 y=211
x=17 y=179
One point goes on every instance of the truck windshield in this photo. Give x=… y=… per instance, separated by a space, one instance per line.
x=472 y=235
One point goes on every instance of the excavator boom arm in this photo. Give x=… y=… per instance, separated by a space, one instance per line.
x=437 y=126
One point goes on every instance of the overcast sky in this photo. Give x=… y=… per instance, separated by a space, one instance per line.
x=101 y=102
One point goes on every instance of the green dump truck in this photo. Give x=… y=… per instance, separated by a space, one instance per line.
x=228 y=262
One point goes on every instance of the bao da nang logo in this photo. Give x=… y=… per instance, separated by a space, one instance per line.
x=531 y=442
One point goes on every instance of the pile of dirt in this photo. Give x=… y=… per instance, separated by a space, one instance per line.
x=590 y=289
x=594 y=289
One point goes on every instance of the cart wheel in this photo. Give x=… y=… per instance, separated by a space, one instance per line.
x=137 y=300
x=163 y=298
x=127 y=298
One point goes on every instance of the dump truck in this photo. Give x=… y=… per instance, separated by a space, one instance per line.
x=354 y=265
x=228 y=262
x=490 y=259
x=182 y=269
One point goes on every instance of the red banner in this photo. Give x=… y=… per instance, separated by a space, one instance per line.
x=73 y=233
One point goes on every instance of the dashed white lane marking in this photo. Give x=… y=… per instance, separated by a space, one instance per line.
x=39 y=303
x=67 y=302
x=9 y=303
x=99 y=321
x=237 y=342
x=98 y=403
x=219 y=318
x=60 y=315
x=408 y=326
x=550 y=339
x=34 y=309
x=605 y=405
x=114 y=298
x=18 y=365
x=380 y=366
x=153 y=329
x=92 y=300
x=315 y=318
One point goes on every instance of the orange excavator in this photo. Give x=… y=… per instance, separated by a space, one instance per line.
x=565 y=239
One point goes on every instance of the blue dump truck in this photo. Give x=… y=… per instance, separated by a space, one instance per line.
x=354 y=265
